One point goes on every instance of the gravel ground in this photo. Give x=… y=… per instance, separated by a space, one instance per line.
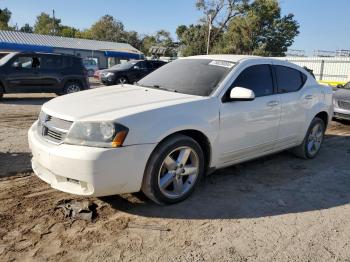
x=278 y=208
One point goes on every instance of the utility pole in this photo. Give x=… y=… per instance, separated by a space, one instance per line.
x=209 y=31
x=53 y=23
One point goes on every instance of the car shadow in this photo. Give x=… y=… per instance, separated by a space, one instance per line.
x=13 y=163
x=24 y=100
x=274 y=185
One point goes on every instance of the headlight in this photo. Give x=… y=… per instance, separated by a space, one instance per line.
x=97 y=134
x=109 y=74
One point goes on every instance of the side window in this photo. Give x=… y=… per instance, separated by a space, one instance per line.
x=257 y=78
x=52 y=62
x=289 y=79
x=27 y=62
x=142 y=65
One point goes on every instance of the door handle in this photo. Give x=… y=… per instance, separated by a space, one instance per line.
x=273 y=103
x=309 y=97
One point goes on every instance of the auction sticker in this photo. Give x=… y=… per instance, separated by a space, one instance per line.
x=222 y=63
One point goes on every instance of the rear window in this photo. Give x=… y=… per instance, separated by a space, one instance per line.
x=189 y=76
x=289 y=79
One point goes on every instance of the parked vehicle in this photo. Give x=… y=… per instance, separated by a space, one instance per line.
x=184 y=120
x=97 y=74
x=342 y=102
x=41 y=73
x=91 y=66
x=129 y=72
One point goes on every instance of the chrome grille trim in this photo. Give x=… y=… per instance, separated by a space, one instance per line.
x=344 y=104
x=53 y=129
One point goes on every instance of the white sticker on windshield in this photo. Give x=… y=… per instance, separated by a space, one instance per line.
x=222 y=63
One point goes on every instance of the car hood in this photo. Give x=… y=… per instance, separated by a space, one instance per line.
x=342 y=94
x=112 y=102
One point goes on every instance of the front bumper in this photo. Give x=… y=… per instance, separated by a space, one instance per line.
x=89 y=171
x=107 y=80
x=341 y=113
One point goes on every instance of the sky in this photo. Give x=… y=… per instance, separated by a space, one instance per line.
x=324 y=24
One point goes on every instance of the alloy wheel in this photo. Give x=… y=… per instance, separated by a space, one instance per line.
x=315 y=139
x=178 y=172
x=72 y=88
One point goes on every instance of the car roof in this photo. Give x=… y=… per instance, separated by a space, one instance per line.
x=229 y=58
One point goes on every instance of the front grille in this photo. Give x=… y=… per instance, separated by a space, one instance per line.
x=344 y=104
x=52 y=128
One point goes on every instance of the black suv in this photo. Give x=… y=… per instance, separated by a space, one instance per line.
x=41 y=73
x=129 y=72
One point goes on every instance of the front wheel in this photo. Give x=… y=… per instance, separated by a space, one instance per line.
x=121 y=80
x=312 y=141
x=173 y=170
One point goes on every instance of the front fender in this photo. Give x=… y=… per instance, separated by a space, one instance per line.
x=154 y=125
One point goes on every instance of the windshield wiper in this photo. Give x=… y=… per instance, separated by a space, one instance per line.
x=156 y=86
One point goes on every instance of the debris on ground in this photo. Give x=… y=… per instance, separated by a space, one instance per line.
x=78 y=210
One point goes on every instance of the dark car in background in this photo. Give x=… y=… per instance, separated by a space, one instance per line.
x=341 y=101
x=129 y=72
x=42 y=73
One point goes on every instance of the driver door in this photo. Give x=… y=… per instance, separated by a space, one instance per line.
x=249 y=128
x=24 y=74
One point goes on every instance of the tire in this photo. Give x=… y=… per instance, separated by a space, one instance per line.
x=121 y=80
x=313 y=140
x=178 y=178
x=72 y=87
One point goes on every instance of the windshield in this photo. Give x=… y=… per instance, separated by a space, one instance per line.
x=189 y=76
x=347 y=85
x=124 y=66
x=6 y=58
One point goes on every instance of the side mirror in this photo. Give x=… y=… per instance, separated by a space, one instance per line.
x=17 y=65
x=241 y=94
x=136 y=67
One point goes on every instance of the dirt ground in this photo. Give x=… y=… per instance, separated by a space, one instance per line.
x=279 y=208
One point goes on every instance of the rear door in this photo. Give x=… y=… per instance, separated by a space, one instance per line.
x=294 y=101
x=24 y=74
x=249 y=128
x=51 y=72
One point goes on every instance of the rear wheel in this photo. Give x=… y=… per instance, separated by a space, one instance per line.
x=312 y=141
x=72 y=87
x=173 y=170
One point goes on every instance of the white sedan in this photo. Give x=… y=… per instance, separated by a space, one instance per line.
x=182 y=121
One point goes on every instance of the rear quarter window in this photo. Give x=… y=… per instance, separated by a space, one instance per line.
x=289 y=79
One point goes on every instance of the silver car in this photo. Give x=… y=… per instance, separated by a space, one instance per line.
x=342 y=102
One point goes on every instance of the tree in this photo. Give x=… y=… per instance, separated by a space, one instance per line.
x=5 y=16
x=192 y=39
x=67 y=31
x=146 y=43
x=133 y=38
x=262 y=31
x=218 y=13
x=108 y=29
x=26 y=28
x=46 y=25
